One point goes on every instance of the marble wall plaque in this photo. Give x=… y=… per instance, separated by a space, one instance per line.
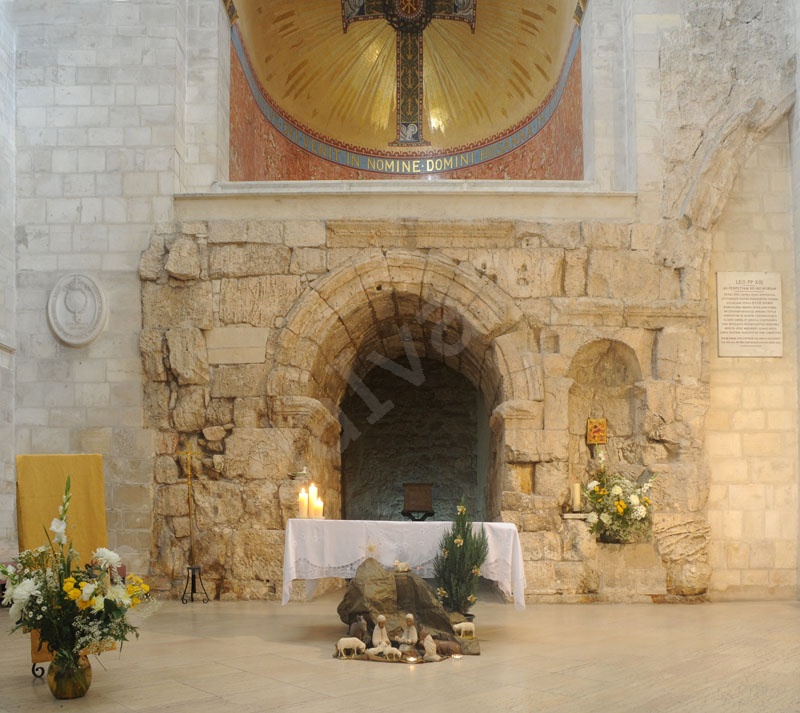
x=77 y=309
x=749 y=320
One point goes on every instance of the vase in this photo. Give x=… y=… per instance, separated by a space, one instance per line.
x=69 y=681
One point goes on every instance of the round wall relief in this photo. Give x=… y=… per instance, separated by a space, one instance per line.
x=77 y=309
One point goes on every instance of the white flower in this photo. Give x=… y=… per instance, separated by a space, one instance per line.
x=639 y=512
x=591 y=518
x=605 y=518
x=633 y=499
x=99 y=603
x=59 y=528
x=616 y=491
x=106 y=558
x=119 y=593
x=88 y=591
x=592 y=485
x=21 y=595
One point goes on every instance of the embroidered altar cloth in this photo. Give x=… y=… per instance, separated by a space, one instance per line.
x=335 y=548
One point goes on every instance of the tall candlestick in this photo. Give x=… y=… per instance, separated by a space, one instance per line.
x=303 y=501
x=576 y=497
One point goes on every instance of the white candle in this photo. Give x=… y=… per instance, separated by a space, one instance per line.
x=316 y=509
x=576 y=497
x=303 y=500
x=312 y=494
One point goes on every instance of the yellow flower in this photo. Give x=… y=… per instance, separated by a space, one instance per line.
x=458 y=542
x=74 y=593
x=84 y=604
x=69 y=585
x=476 y=571
x=461 y=509
x=472 y=599
x=621 y=505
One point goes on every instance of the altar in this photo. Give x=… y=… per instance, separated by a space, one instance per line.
x=316 y=549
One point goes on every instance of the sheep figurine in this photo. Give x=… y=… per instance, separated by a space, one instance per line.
x=392 y=654
x=465 y=630
x=349 y=646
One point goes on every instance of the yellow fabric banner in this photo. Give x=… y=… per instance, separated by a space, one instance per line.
x=40 y=487
x=41 y=480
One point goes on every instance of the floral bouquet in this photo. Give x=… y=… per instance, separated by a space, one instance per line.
x=621 y=510
x=457 y=567
x=75 y=610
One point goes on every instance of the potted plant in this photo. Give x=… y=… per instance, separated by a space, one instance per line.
x=457 y=566
x=76 y=611
x=620 y=509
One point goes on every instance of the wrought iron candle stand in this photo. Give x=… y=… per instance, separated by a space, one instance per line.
x=193 y=576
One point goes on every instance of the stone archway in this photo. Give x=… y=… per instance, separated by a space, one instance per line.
x=380 y=309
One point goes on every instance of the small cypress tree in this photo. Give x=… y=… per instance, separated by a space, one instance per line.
x=457 y=566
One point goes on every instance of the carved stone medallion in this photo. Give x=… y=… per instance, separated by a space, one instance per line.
x=77 y=309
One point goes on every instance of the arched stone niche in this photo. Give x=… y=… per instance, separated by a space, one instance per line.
x=391 y=310
x=606 y=379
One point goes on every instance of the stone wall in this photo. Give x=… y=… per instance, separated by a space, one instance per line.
x=96 y=141
x=752 y=423
x=120 y=107
x=7 y=283
x=252 y=327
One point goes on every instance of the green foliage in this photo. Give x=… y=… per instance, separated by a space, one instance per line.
x=462 y=551
x=74 y=609
x=620 y=509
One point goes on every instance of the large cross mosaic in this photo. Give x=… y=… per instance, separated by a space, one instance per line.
x=409 y=18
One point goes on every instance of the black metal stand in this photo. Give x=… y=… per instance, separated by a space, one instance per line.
x=193 y=576
x=37 y=670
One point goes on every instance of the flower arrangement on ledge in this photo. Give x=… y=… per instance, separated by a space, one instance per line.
x=76 y=611
x=457 y=566
x=620 y=509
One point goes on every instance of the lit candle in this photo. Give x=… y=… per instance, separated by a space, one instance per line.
x=303 y=499
x=316 y=509
x=312 y=494
x=576 y=497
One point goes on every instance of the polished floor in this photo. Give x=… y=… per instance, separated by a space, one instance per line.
x=249 y=657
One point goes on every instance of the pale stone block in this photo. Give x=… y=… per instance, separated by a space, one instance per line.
x=304 y=233
x=183 y=261
x=729 y=470
x=260 y=453
x=241 y=380
x=189 y=413
x=753 y=525
x=774 y=469
x=746 y=497
x=737 y=555
x=237 y=345
x=762 y=444
x=678 y=354
x=786 y=555
x=308 y=261
x=165 y=306
x=187 y=355
x=721 y=445
x=248 y=260
x=258 y=300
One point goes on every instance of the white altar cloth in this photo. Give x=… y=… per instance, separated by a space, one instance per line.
x=335 y=548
